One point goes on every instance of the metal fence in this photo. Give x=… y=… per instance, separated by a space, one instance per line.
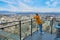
x=22 y=28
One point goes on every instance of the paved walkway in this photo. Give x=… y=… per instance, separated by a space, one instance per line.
x=37 y=36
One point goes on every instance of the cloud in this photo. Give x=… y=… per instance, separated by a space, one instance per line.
x=49 y=10
x=28 y=1
x=25 y=8
x=21 y=7
x=7 y=1
x=1 y=9
x=52 y=3
x=48 y=3
x=10 y=6
x=51 y=0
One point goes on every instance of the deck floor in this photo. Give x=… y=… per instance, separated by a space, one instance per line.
x=38 y=36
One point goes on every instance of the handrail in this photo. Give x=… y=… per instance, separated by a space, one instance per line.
x=15 y=24
x=8 y=26
x=19 y=23
x=26 y=20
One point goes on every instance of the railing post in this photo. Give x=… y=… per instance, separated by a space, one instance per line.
x=31 y=27
x=51 y=25
x=20 y=29
x=37 y=28
x=2 y=28
x=51 y=29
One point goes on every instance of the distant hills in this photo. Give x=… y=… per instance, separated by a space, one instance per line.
x=8 y=12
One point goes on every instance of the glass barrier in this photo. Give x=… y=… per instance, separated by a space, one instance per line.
x=25 y=29
x=5 y=38
x=49 y=27
x=34 y=26
x=9 y=31
x=46 y=26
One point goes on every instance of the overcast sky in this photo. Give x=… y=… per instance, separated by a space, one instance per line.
x=30 y=5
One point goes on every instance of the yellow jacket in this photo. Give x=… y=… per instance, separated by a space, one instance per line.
x=38 y=20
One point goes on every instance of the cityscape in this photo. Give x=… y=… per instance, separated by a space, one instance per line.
x=29 y=19
x=25 y=27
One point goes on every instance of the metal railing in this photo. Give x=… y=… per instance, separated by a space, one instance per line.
x=25 y=28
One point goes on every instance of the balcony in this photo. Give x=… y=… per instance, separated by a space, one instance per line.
x=26 y=30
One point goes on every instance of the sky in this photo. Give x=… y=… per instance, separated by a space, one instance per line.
x=30 y=5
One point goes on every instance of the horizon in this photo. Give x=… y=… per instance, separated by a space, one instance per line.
x=12 y=13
